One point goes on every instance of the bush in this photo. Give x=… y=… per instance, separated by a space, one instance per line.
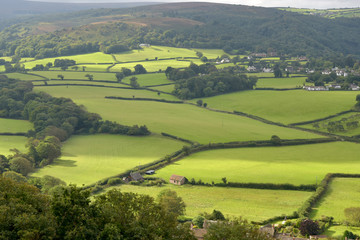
x=115 y=181
x=309 y=227
x=198 y=221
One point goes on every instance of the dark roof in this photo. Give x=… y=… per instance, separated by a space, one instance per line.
x=136 y=176
x=176 y=177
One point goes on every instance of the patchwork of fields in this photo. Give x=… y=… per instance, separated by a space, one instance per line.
x=87 y=159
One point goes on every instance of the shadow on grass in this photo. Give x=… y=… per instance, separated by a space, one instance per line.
x=64 y=163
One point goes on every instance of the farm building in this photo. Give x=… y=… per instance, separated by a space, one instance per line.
x=136 y=176
x=177 y=180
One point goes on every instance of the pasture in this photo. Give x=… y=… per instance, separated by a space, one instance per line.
x=343 y=193
x=285 y=106
x=79 y=82
x=152 y=52
x=338 y=230
x=90 y=158
x=252 y=204
x=2 y=68
x=155 y=66
x=68 y=75
x=11 y=142
x=95 y=67
x=166 y=88
x=23 y=77
x=149 y=79
x=183 y=120
x=303 y=164
x=14 y=126
x=211 y=53
x=280 y=82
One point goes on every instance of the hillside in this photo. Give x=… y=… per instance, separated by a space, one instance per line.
x=234 y=28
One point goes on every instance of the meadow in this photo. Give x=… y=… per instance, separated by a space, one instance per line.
x=280 y=82
x=252 y=204
x=155 y=66
x=90 y=158
x=285 y=106
x=212 y=53
x=76 y=75
x=166 y=88
x=79 y=82
x=343 y=193
x=24 y=77
x=183 y=120
x=11 y=142
x=14 y=126
x=149 y=79
x=304 y=164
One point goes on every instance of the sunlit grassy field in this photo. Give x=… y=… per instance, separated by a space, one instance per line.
x=149 y=79
x=77 y=75
x=186 y=121
x=167 y=88
x=252 y=204
x=88 y=159
x=14 y=126
x=79 y=82
x=280 y=82
x=343 y=193
x=23 y=77
x=297 y=165
x=154 y=66
x=10 y=142
x=285 y=106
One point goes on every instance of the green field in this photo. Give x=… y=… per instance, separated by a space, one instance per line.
x=342 y=193
x=297 y=165
x=11 y=142
x=251 y=204
x=2 y=68
x=280 y=82
x=88 y=159
x=211 y=53
x=97 y=57
x=285 y=106
x=154 y=66
x=95 y=67
x=152 y=52
x=77 y=75
x=23 y=77
x=14 y=126
x=149 y=79
x=186 y=121
x=79 y=82
x=338 y=230
x=167 y=88
x=323 y=125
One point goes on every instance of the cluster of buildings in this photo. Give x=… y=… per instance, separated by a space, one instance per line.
x=352 y=87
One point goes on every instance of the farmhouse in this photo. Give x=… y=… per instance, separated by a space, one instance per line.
x=251 y=69
x=335 y=86
x=316 y=88
x=177 y=180
x=142 y=45
x=354 y=87
x=136 y=176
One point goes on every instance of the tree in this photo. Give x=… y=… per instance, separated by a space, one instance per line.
x=119 y=76
x=83 y=68
x=224 y=180
x=139 y=69
x=64 y=68
x=199 y=102
x=75 y=68
x=90 y=77
x=126 y=71
x=21 y=165
x=237 y=229
x=277 y=71
x=60 y=76
x=134 y=83
x=198 y=221
x=275 y=140
x=309 y=227
x=171 y=203
x=216 y=215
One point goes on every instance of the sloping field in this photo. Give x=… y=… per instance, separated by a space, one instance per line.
x=77 y=75
x=252 y=204
x=305 y=164
x=10 y=142
x=280 y=82
x=183 y=120
x=149 y=79
x=88 y=159
x=285 y=106
x=14 y=126
x=24 y=77
x=343 y=193
x=154 y=66
x=152 y=52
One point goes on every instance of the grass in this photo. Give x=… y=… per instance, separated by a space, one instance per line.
x=77 y=75
x=280 y=82
x=53 y=82
x=88 y=159
x=251 y=204
x=322 y=126
x=10 y=142
x=167 y=88
x=338 y=230
x=186 y=121
x=342 y=193
x=97 y=57
x=2 y=68
x=152 y=52
x=211 y=53
x=285 y=106
x=95 y=67
x=305 y=164
x=149 y=79
x=154 y=66
x=23 y=77
x=14 y=126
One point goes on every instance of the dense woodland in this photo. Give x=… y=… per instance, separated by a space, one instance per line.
x=236 y=29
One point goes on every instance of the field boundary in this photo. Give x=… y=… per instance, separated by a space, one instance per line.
x=144 y=99
x=322 y=119
x=13 y=134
